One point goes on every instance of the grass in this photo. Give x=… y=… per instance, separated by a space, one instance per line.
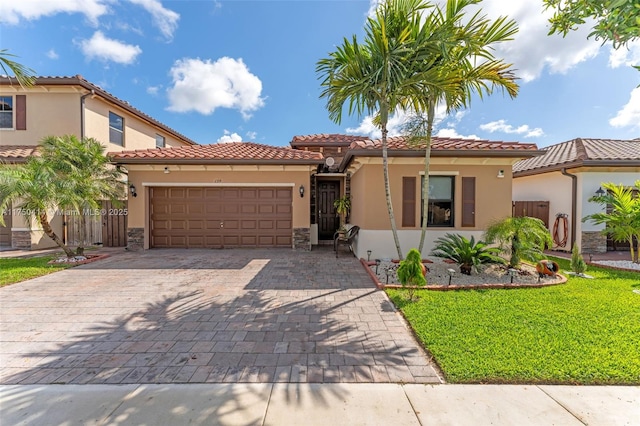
x=584 y=332
x=16 y=270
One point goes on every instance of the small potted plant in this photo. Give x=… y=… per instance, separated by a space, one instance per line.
x=342 y=205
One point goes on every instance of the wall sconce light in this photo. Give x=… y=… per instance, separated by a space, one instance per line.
x=132 y=189
x=600 y=192
x=500 y=174
x=301 y=191
x=368 y=255
x=167 y=171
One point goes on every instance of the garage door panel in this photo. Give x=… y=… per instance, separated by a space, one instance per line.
x=191 y=217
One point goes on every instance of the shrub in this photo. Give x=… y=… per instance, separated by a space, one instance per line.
x=466 y=253
x=521 y=237
x=578 y=264
x=411 y=271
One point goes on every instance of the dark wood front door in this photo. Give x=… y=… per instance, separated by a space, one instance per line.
x=328 y=220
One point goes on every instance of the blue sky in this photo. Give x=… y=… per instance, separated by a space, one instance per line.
x=221 y=71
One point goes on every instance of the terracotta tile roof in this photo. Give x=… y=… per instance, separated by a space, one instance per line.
x=78 y=80
x=323 y=139
x=579 y=152
x=236 y=152
x=16 y=153
x=401 y=143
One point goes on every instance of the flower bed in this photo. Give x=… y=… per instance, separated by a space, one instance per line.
x=78 y=260
x=438 y=276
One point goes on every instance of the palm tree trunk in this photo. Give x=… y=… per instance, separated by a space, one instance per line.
x=46 y=227
x=83 y=234
x=387 y=190
x=425 y=185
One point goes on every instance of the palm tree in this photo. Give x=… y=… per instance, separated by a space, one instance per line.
x=623 y=222
x=389 y=71
x=33 y=190
x=520 y=237
x=467 y=54
x=85 y=174
x=24 y=75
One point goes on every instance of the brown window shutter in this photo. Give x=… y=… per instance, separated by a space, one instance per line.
x=468 y=201
x=408 y=201
x=21 y=112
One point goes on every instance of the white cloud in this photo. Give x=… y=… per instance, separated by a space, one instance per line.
x=106 y=49
x=153 y=90
x=11 y=12
x=625 y=56
x=51 y=54
x=532 y=50
x=629 y=115
x=395 y=126
x=452 y=133
x=252 y=135
x=502 y=126
x=203 y=86
x=166 y=20
x=229 y=137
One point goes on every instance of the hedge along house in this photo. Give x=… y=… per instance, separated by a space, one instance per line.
x=469 y=187
x=571 y=172
x=56 y=106
x=223 y=195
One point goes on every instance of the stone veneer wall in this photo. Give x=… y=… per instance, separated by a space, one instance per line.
x=21 y=239
x=302 y=239
x=593 y=242
x=135 y=238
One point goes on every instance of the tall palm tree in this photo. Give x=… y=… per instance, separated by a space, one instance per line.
x=623 y=222
x=467 y=53
x=24 y=75
x=383 y=74
x=85 y=175
x=32 y=189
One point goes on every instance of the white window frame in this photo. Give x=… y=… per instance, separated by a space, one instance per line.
x=164 y=141
x=13 y=112
x=121 y=131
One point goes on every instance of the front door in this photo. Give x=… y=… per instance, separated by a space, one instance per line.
x=328 y=220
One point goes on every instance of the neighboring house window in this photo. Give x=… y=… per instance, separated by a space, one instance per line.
x=441 y=208
x=160 y=141
x=6 y=112
x=116 y=129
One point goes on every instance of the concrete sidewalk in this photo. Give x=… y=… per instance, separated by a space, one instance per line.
x=318 y=404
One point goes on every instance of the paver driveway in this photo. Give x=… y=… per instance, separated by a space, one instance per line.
x=170 y=316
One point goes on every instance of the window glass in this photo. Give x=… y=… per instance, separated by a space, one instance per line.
x=160 y=141
x=441 y=206
x=116 y=129
x=6 y=112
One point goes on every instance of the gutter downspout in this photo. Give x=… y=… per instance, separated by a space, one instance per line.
x=82 y=98
x=574 y=204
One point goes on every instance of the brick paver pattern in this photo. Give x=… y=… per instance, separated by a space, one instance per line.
x=200 y=316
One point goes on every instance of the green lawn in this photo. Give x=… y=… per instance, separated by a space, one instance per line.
x=584 y=332
x=16 y=270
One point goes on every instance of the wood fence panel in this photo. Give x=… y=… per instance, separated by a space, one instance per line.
x=537 y=209
x=114 y=224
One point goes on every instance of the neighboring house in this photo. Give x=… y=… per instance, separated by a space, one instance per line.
x=251 y=195
x=56 y=106
x=571 y=172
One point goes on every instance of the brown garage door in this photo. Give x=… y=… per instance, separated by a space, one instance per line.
x=220 y=217
x=5 y=232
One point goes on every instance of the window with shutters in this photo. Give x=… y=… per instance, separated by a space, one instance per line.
x=441 y=202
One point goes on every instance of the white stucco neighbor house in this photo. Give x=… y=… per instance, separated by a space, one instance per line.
x=569 y=174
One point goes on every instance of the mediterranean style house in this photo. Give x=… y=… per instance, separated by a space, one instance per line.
x=244 y=194
x=567 y=175
x=252 y=195
x=56 y=106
